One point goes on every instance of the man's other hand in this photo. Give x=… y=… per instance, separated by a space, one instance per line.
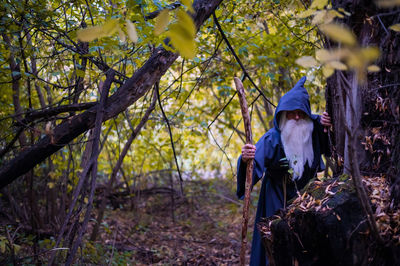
x=326 y=121
x=248 y=152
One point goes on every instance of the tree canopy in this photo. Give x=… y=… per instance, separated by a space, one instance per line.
x=56 y=74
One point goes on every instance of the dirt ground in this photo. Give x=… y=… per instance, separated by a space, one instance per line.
x=201 y=228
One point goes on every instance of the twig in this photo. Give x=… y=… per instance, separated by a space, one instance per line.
x=389 y=85
x=9 y=145
x=199 y=78
x=223 y=151
x=41 y=253
x=355 y=229
x=238 y=60
x=155 y=13
x=49 y=112
x=226 y=198
x=290 y=29
x=383 y=25
x=386 y=14
x=223 y=108
x=170 y=135
x=11 y=245
x=113 y=246
x=49 y=83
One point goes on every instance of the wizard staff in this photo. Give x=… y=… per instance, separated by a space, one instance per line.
x=249 y=169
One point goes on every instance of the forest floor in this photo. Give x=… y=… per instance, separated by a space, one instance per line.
x=201 y=228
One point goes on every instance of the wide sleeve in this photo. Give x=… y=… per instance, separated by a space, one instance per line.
x=264 y=154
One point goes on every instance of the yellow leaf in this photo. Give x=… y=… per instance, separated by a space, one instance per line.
x=344 y=11
x=50 y=185
x=323 y=55
x=355 y=60
x=121 y=35
x=110 y=27
x=339 y=33
x=181 y=41
x=161 y=22
x=331 y=15
x=319 y=17
x=306 y=14
x=89 y=34
x=373 y=68
x=327 y=71
x=337 y=65
x=306 y=61
x=52 y=175
x=387 y=3
x=188 y=4
x=186 y=22
x=335 y=13
x=395 y=27
x=370 y=54
x=319 y=4
x=131 y=30
x=95 y=32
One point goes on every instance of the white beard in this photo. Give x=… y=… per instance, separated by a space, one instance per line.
x=296 y=138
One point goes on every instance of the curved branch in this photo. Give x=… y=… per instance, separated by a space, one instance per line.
x=170 y=135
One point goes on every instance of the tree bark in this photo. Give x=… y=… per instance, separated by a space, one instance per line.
x=377 y=111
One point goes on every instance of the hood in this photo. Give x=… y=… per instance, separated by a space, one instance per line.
x=296 y=98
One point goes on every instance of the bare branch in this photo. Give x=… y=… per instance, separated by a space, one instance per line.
x=170 y=136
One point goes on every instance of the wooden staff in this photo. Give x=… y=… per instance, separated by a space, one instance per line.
x=249 y=169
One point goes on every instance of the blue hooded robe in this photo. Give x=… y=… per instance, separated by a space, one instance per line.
x=269 y=150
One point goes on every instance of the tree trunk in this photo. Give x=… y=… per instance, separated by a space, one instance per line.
x=377 y=101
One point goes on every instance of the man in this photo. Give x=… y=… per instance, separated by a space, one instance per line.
x=298 y=139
